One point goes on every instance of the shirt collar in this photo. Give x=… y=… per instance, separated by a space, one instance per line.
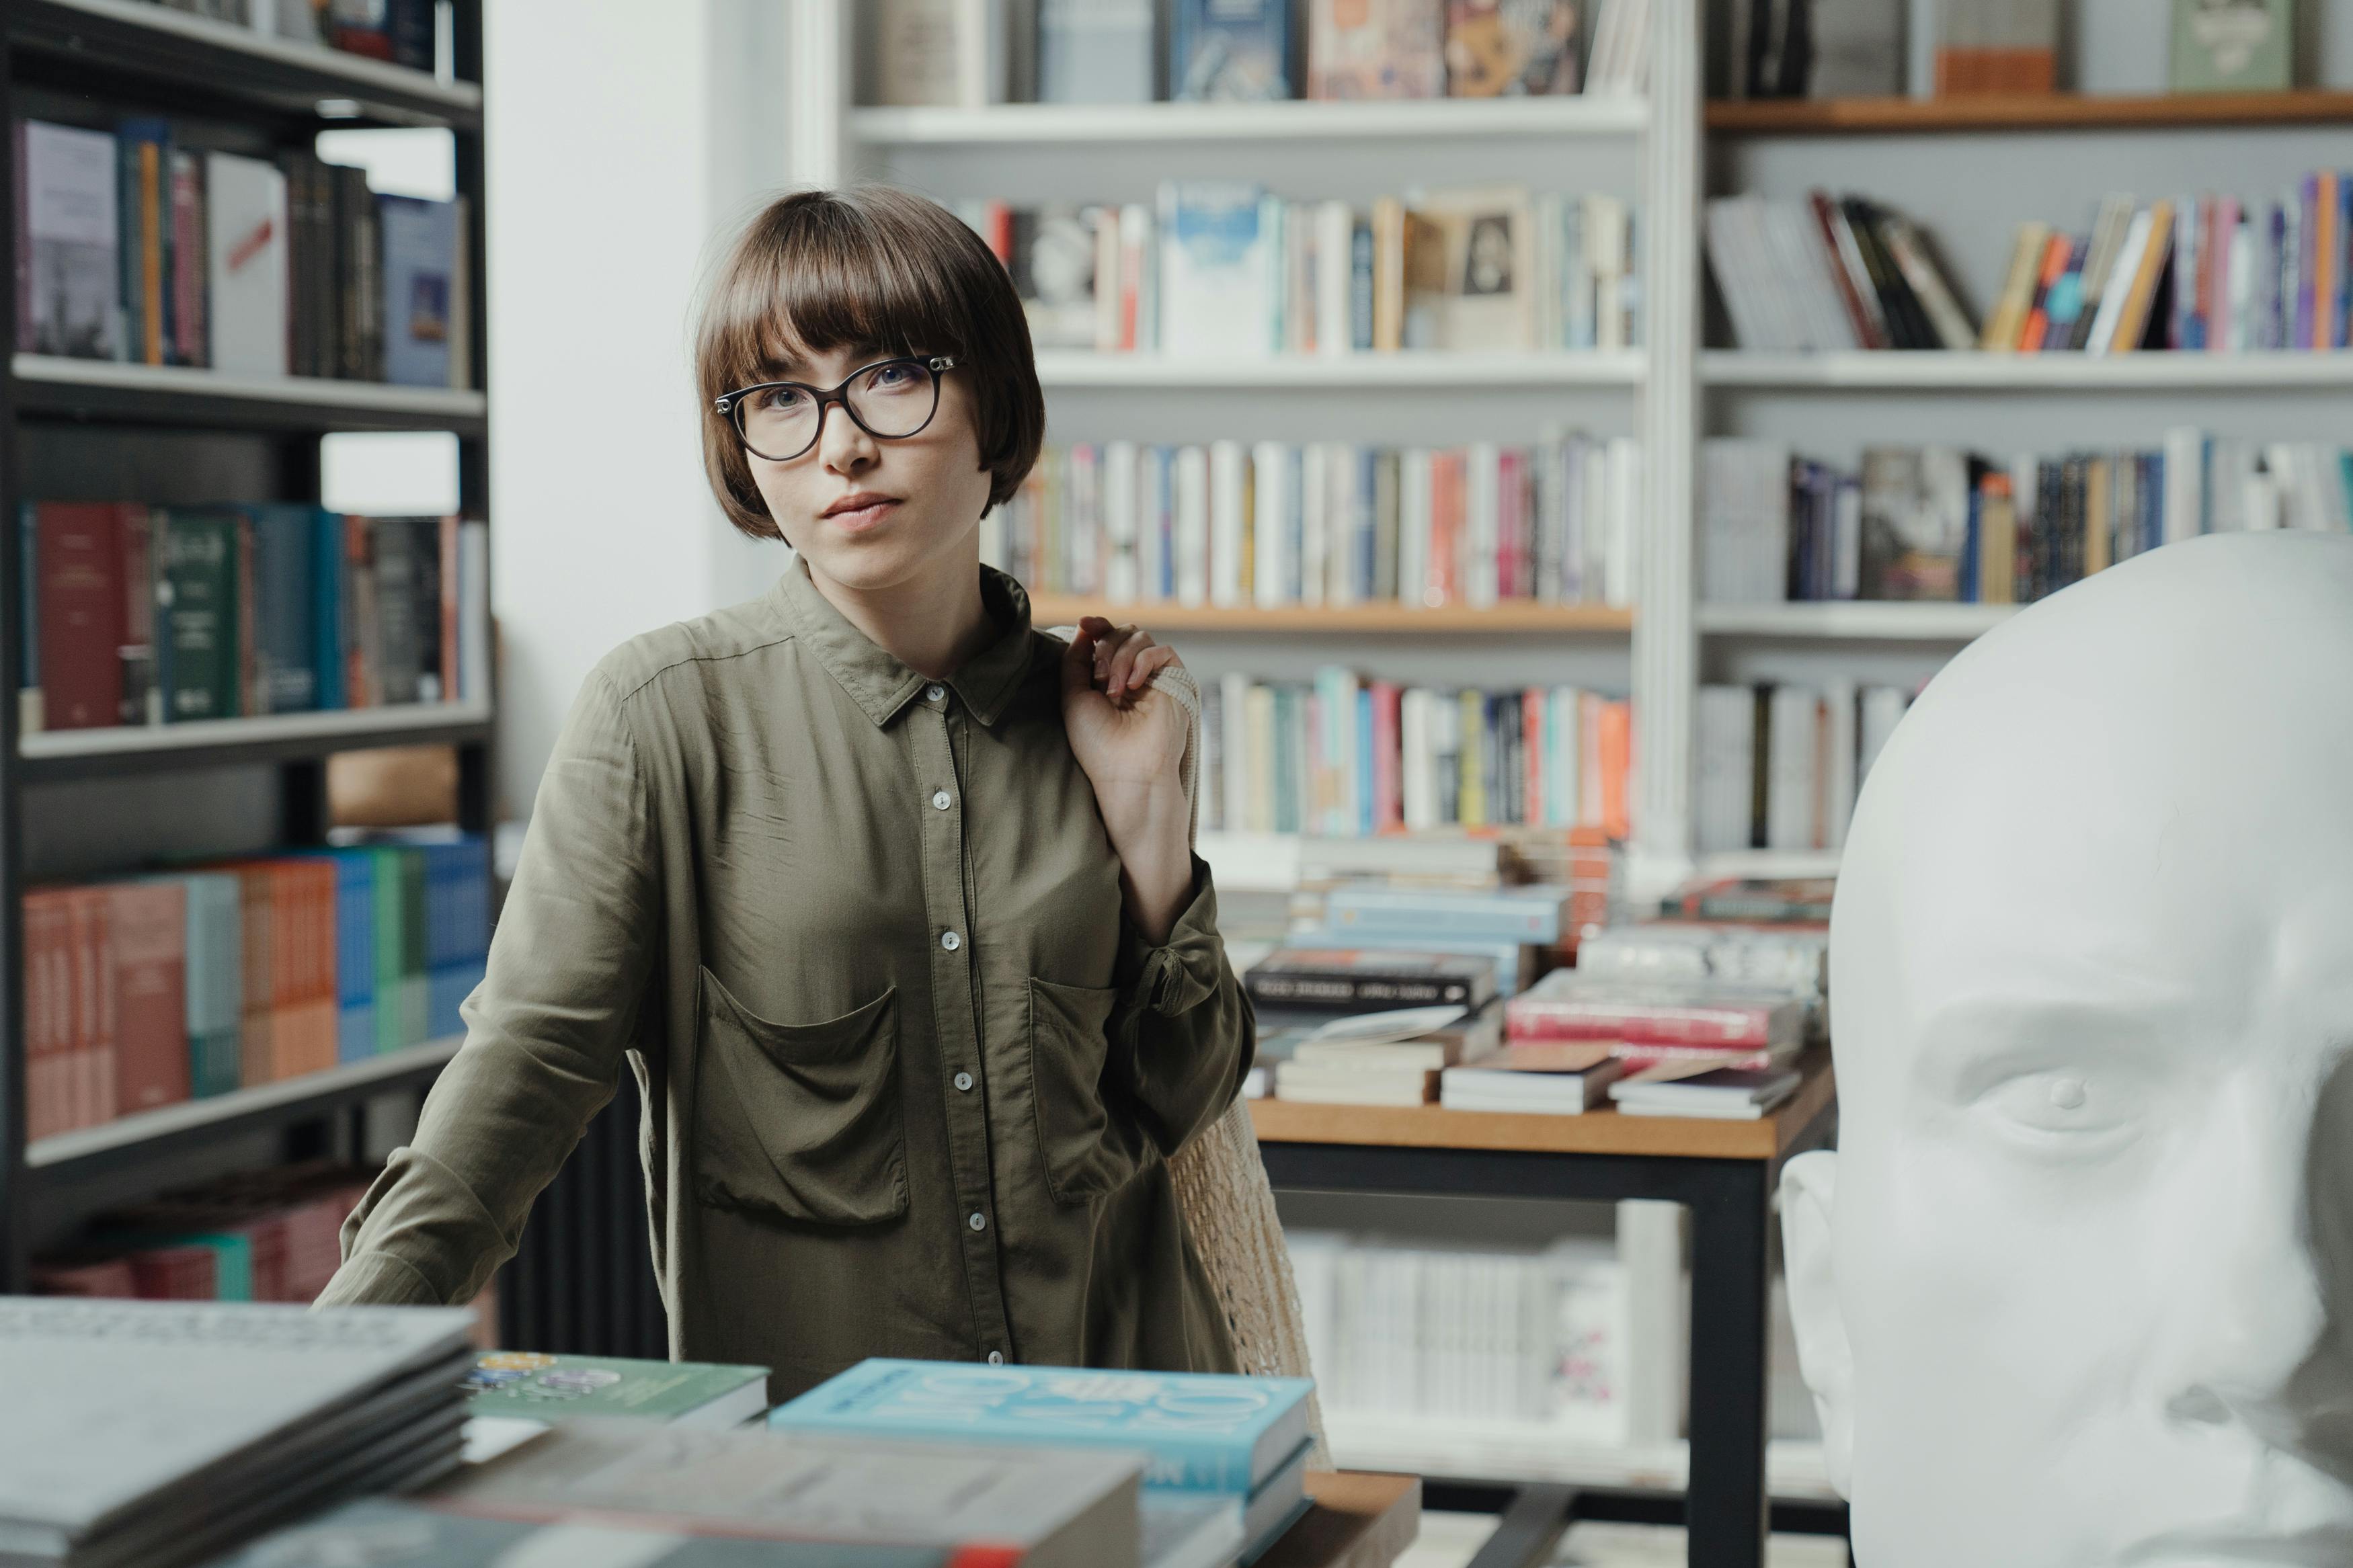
x=875 y=678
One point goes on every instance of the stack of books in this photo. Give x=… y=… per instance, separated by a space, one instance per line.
x=143 y=615
x=1735 y=1094
x=1274 y=524
x=513 y=1396
x=1753 y=900
x=1554 y=1078
x=147 y=990
x=1780 y=766
x=1392 y=1057
x=153 y=1434
x=1646 y=1021
x=1215 y=1447
x=1829 y=273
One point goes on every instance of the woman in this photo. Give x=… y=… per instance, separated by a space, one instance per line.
x=885 y=896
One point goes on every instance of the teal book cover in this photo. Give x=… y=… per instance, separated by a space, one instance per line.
x=1202 y=1431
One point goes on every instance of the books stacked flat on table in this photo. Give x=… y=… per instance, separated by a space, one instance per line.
x=512 y=1395
x=1237 y=1444
x=1366 y=980
x=1558 y=1078
x=1040 y=1507
x=1380 y=1059
x=1795 y=959
x=1721 y=1024
x=1731 y=1094
x=155 y=1433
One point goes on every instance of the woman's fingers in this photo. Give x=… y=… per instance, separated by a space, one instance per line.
x=1132 y=643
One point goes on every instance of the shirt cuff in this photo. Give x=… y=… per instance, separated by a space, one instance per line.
x=1183 y=971
x=378 y=1279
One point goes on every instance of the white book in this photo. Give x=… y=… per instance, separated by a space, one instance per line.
x=1625 y=510
x=1883 y=709
x=1343 y=521
x=916 y=47
x=1413 y=527
x=1234 y=688
x=1095 y=51
x=1481 y=556
x=1561 y=774
x=70 y=248
x=1838 y=784
x=1607 y=245
x=1121 y=572
x=1220 y=273
x=1270 y=525
x=1792 y=778
x=1743 y=507
x=1336 y=223
x=2185 y=484
x=1414 y=785
x=474 y=611
x=246 y=264
x=2119 y=284
x=1725 y=752
x=1316 y=470
x=1228 y=477
x=1551 y=263
x=1189 y=481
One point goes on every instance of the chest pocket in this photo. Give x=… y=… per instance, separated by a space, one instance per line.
x=800 y=1119
x=1088 y=1143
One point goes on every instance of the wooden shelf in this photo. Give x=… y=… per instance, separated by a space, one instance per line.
x=197 y=59
x=1594 y=1132
x=1584 y=367
x=1359 y=1520
x=2042 y=111
x=1855 y=619
x=1288 y=121
x=1968 y=371
x=1512 y=617
x=130 y=1138
x=57 y=755
x=50 y=385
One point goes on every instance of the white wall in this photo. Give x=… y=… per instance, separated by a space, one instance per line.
x=624 y=140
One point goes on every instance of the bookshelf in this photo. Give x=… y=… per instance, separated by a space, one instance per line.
x=1067 y=368
x=92 y=426
x=1895 y=371
x=1290 y=120
x=1510 y=618
x=2051 y=111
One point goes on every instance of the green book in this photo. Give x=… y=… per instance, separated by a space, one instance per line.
x=2232 y=45
x=391 y=935
x=196 y=615
x=536 y=1387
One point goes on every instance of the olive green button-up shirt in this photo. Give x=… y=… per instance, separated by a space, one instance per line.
x=911 y=1076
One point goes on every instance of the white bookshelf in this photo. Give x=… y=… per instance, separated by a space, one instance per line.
x=1895 y=371
x=1066 y=368
x=1154 y=124
x=1855 y=619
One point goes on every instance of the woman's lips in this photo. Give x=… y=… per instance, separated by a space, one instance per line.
x=857 y=520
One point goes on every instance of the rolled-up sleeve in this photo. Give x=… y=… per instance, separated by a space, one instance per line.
x=546 y=1031
x=1190 y=1027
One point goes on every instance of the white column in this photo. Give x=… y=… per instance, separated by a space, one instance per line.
x=1665 y=656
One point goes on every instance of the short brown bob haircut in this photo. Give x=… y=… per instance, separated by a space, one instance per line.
x=868 y=265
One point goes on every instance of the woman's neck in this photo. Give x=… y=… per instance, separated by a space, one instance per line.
x=931 y=623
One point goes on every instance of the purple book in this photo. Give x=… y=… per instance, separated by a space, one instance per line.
x=2309 y=231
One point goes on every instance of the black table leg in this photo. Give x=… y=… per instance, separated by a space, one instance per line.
x=1727 y=1501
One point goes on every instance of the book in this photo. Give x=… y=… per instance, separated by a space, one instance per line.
x=1508 y=49
x=1309 y=1083
x=1375 y=50
x=81 y=598
x=1357 y=980
x=1498 y=1082
x=147 y=919
x=1414 y=1037
x=247 y=264
x=538 y=1386
x=1536 y=914
x=1096 y=51
x=1471 y=272
x=69 y=241
x=1646 y=1015
x=1231 y=49
x=418 y=249
x=1201 y=1431
x=1996 y=46
x=198 y=608
x=1056 y=1507
x=1219 y=274
x=2231 y=46
x=1725 y=1093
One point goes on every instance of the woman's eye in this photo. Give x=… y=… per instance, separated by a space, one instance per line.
x=892 y=378
x=2065 y=1101
x=778 y=399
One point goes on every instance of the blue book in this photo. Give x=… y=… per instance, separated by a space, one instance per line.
x=1232 y=50
x=286 y=605
x=327 y=616
x=420 y=243
x=355 y=953
x=1365 y=763
x=1533 y=914
x=1202 y=1431
x=216 y=981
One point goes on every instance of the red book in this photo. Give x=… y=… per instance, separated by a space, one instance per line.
x=188 y=294
x=109 y=1277
x=1617 y=739
x=93 y=1006
x=1533 y=703
x=174 y=1273
x=1445 y=528
x=1510 y=554
x=150 y=924
x=78 y=562
x=1388 y=807
x=255 y=1047
x=48 y=1013
x=303 y=1034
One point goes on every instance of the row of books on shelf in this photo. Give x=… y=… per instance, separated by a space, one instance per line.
x=1225 y=266
x=195 y=1429
x=142 y=244
x=1271 y=523
x=147 y=990
x=147 y=615
x=1942 y=523
x=970 y=53
x=1779 y=765
x=2199 y=273
x=1343 y=755
x=399 y=32
x=269 y=1235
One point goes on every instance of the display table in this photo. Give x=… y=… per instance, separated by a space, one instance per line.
x=1361 y=1519
x=1723 y=1171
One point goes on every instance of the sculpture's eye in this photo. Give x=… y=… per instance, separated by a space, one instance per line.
x=2066 y=1103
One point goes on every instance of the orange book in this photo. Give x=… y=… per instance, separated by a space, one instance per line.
x=1590 y=787
x=1532 y=704
x=149 y=920
x=2327 y=245
x=154 y=213
x=93 y=1006
x=2055 y=252
x=1617 y=737
x=1445 y=527
x=2132 y=321
x=254 y=1053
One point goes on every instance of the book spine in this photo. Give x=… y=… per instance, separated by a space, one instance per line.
x=1318 y=989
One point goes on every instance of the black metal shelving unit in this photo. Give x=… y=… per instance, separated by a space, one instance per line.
x=74 y=419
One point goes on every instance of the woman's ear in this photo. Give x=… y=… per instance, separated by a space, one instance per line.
x=1825 y=1358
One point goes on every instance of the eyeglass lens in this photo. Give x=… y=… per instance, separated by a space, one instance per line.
x=890 y=400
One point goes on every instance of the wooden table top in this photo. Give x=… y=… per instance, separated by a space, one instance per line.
x=1362 y=1519
x=1598 y=1132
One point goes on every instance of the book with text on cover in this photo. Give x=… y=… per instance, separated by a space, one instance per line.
x=542 y=1387
x=1360 y=980
x=1202 y=1431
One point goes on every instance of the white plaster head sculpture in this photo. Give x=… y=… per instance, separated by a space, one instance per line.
x=2077 y=1288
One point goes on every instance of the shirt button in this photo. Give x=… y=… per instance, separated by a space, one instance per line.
x=934 y=692
x=978 y=1221
x=950 y=941
x=941 y=799
x=996 y=1358
x=964 y=1081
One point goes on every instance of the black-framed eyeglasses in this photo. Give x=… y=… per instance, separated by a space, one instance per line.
x=891 y=400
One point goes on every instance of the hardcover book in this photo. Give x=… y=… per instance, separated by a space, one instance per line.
x=542 y=1387
x=1355 y=980
x=247 y=251
x=1232 y=50
x=2232 y=45
x=1505 y=48
x=1096 y=51
x=1537 y=914
x=1374 y=49
x=67 y=299
x=1201 y=1431
x=419 y=240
